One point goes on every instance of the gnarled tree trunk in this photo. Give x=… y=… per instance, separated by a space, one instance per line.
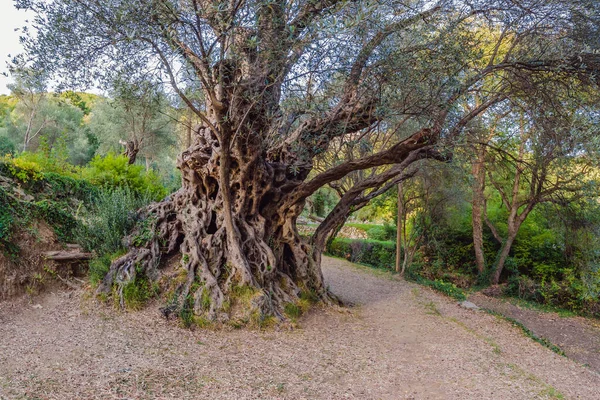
x=227 y=224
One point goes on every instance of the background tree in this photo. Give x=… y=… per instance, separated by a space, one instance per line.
x=546 y=164
x=137 y=118
x=30 y=90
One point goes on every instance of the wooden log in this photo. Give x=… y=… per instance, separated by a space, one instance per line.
x=67 y=255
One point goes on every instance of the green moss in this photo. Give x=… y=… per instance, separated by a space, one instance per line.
x=292 y=311
x=243 y=295
x=138 y=291
x=205 y=299
x=202 y=322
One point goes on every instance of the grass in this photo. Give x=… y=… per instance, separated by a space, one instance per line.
x=527 y=332
x=563 y=313
x=548 y=391
x=449 y=289
x=377 y=271
x=487 y=339
x=362 y=227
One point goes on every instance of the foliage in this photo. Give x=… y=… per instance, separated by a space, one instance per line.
x=326 y=96
x=110 y=217
x=447 y=288
x=7 y=146
x=8 y=212
x=114 y=171
x=138 y=291
x=382 y=233
x=58 y=215
x=138 y=113
x=374 y=253
x=322 y=202
x=97 y=269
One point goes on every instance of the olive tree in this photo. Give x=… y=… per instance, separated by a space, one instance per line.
x=281 y=80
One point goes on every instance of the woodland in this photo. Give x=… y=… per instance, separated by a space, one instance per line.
x=207 y=153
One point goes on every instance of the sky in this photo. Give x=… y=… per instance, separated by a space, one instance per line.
x=10 y=19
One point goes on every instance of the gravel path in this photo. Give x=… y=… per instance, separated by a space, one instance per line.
x=401 y=341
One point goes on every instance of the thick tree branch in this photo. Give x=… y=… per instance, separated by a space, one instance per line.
x=395 y=154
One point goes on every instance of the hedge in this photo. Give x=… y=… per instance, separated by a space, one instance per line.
x=374 y=253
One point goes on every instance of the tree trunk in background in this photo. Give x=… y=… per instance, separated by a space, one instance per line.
x=131 y=150
x=478 y=171
x=399 y=230
x=188 y=136
x=503 y=255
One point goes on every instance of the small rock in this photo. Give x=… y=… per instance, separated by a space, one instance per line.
x=38 y=306
x=468 y=305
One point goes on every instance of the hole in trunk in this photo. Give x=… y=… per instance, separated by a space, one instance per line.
x=288 y=261
x=212 y=187
x=212 y=227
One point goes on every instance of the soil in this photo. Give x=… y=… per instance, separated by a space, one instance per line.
x=578 y=337
x=400 y=341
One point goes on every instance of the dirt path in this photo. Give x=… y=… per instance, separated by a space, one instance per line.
x=578 y=337
x=402 y=342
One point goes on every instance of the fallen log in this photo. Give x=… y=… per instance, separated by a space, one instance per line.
x=66 y=255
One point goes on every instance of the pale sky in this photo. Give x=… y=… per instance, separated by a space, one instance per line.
x=10 y=19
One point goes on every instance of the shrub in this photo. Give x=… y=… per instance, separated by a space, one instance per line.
x=6 y=217
x=21 y=169
x=99 y=267
x=447 y=288
x=114 y=171
x=111 y=216
x=370 y=252
x=382 y=233
x=44 y=162
x=58 y=216
x=7 y=147
x=137 y=292
x=63 y=187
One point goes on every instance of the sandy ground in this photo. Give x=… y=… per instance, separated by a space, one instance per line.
x=401 y=341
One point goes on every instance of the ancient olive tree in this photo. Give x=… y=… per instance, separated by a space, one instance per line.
x=281 y=80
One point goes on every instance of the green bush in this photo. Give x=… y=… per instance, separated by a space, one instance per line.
x=7 y=147
x=98 y=268
x=114 y=171
x=382 y=233
x=64 y=187
x=44 y=162
x=111 y=216
x=370 y=252
x=57 y=215
x=449 y=289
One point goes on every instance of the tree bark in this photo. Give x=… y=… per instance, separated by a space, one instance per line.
x=400 y=230
x=233 y=237
x=131 y=150
x=502 y=256
x=478 y=172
